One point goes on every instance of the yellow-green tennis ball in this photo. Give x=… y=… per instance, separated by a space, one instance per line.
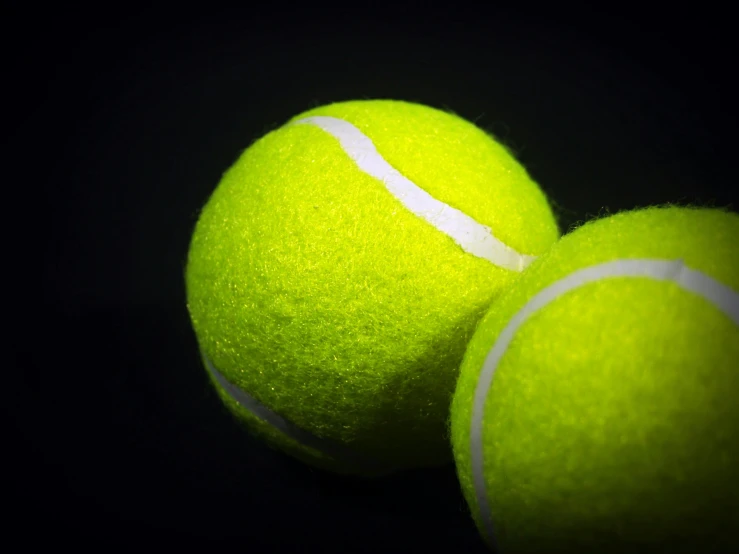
x=597 y=408
x=338 y=270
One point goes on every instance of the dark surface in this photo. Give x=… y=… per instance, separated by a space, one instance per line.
x=120 y=131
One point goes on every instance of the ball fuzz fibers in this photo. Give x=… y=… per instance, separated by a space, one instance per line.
x=338 y=270
x=597 y=408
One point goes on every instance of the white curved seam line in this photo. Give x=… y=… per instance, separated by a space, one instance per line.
x=721 y=296
x=337 y=451
x=473 y=237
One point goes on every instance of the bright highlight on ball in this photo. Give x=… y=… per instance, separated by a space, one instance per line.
x=597 y=406
x=338 y=271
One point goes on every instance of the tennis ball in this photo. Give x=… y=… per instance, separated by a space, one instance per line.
x=338 y=270
x=597 y=405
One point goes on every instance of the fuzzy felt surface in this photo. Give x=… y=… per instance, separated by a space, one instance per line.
x=316 y=291
x=612 y=421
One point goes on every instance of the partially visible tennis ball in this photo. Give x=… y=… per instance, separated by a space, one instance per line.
x=597 y=408
x=338 y=271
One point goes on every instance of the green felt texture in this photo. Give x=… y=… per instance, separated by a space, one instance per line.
x=316 y=291
x=612 y=423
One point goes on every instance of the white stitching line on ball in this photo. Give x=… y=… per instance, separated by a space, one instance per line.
x=720 y=295
x=335 y=450
x=473 y=237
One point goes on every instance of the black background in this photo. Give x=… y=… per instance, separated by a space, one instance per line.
x=119 y=125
